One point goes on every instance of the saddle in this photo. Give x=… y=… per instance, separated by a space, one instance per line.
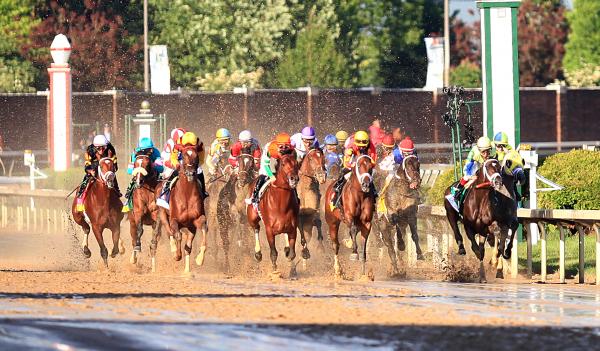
x=381 y=206
x=461 y=196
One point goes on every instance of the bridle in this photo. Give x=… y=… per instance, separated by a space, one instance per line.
x=190 y=173
x=408 y=177
x=104 y=177
x=244 y=174
x=491 y=178
x=361 y=176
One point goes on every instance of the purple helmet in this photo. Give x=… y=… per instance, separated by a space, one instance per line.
x=308 y=133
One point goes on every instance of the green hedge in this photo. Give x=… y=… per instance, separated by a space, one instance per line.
x=72 y=177
x=578 y=171
x=435 y=194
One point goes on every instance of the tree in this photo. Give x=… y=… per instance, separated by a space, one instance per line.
x=467 y=75
x=103 y=54
x=16 y=21
x=542 y=33
x=207 y=36
x=582 y=49
x=465 y=42
x=314 y=61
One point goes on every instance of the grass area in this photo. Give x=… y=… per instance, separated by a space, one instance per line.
x=72 y=177
x=571 y=254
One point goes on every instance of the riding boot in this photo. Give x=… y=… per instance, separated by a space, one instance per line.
x=202 y=185
x=458 y=189
x=128 y=200
x=79 y=196
x=338 y=185
x=259 y=183
x=163 y=198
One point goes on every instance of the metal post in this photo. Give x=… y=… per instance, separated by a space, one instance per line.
x=146 y=80
x=581 y=254
x=529 y=251
x=543 y=256
x=561 y=258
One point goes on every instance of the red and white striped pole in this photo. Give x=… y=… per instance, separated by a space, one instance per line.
x=60 y=104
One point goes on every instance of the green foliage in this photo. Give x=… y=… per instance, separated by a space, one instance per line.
x=466 y=74
x=67 y=180
x=435 y=194
x=207 y=36
x=578 y=171
x=16 y=76
x=585 y=76
x=582 y=48
x=223 y=81
x=314 y=60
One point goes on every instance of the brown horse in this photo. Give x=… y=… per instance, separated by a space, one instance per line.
x=214 y=186
x=279 y=210
x=398 y=211
x=187 y=206
x=145 y=211
x=103 y=209
x=312 y=174
x=489 y=209
x=231 y=208
x=358 y=206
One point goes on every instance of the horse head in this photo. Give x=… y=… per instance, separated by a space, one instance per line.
x=289 y=169
x=190 y=161
x=246 y=170
x=313 y=165
x=411 y=168
x=106 y=171
x=363 y=169
x=491 y=172
x=142 y=168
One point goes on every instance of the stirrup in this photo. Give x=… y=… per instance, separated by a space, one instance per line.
x=452 y=202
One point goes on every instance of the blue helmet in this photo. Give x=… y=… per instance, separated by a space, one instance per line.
x=330 y=139
x=145 y=143
x=308 y=133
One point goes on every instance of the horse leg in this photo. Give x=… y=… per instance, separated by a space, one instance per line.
x=400 y=237
x=353 y=232
x=177 y=235
x=474 y=244
x=292 y=255
x=189 y=238
x=257 y=252
x=154 y=243
x=412 y=223
x=271 y=241
x=103 y=250
x=79 y=218
x=317 y=223
x=481 y=241
x=201 y=223
x=514 y=226
x=365 y=229
x=162 y=215
x=118 y=246
x=286 y=249
x=333 y=225
x=453 y=220
x=224 y=228
x=305 y=227
x=386 y=236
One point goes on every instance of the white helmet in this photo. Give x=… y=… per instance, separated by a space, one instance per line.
x=245 y=135
x=100 y=140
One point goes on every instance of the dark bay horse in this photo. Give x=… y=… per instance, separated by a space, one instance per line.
x=489 y=209
x=145 y=211
x=231 y=207
x=187 y=206
x=358 y=206
x=400 y=194
x=279 y=210
x=312 y=174
x=103 y=209
x=214 y=186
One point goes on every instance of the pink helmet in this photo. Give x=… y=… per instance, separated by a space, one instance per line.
x=177 y=133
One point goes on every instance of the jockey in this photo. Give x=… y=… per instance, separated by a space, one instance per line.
x=356 y=145
x=281 y=145
x=341 y=136
x=246 y=144
x=388 y=160
x=330 y=152
x=188 y=139
x=169 y=154
x=502 y=145
x=304 y=141
x=99 y=149
x=218 y=151
x=513 y=164
x=479 y=153
x=146 y=147
x=405 y=148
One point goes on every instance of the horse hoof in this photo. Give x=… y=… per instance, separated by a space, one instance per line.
x=200 y=257
x=114 y=252
x=293 y=274
x=287 y=250
x=401 y=246
x=354 y=257
x=305 y=253
x=121 y=247
x=86 y=252
x=258 y=256
x=420 y=257
x=507 y=254
x=462 y=251
x=133 y=259
x=276 y=275
x=499 y=274
x=137 y=248
x=177 y=257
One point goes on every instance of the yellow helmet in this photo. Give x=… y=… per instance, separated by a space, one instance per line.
x=341 y=136
x=361 y=138
x=223 y=134
x=189 y=138
x=484 y=143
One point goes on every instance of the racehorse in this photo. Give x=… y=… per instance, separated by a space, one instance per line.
x=401 y=200
x=214 y=187
x=145 y=211
x=356 y=210
x=187 y=206
x=231 y=208
x=312 y=174
x=103 y=209
x=279 y=210
x=489 y=209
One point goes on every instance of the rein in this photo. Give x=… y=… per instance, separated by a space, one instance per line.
x=102 y=176
x=362 y=176
x=494 y=176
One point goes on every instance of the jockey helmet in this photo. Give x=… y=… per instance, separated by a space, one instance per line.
x=177 y=133
x=388 y=141
x=407 y=145
x=189 y=138
x=100 y=140
x=308 y=133
x=330 y=139
x=170 y=145
x=484 y=143
x=145 y=143
x=245 y=135
x=361 y=138
x=341 y=136
x=223 y=134
x=283 y=139
x=501 y=138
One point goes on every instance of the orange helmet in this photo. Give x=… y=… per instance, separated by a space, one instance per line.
x=388 y=141
x=283 y=139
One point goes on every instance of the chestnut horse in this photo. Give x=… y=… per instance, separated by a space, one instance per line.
x=489 y=209
x=279 y=210
x=145 y=211
x=358 y=206
x=312 y=174
x=187 y=206
x=401 y=196
x=231 y=208
x=103 y=209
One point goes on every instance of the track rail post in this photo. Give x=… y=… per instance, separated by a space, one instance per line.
x=561 y=257
x=543 y=254
x=581 y=233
